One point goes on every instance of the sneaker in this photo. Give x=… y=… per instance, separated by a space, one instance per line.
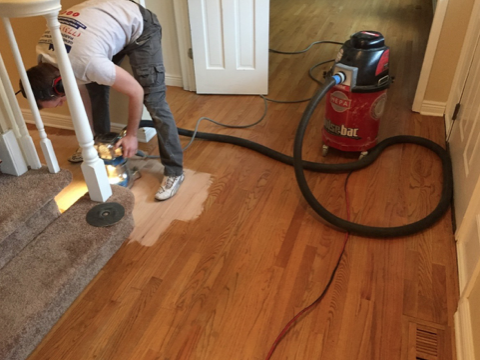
x=170 y=186
x=77 y=156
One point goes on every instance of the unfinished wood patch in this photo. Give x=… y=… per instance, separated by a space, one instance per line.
x=153 y=217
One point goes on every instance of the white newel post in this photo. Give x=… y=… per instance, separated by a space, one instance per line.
x=26 y=141
x=93 y=167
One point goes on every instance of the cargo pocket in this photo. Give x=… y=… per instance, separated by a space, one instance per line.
x=151 y=77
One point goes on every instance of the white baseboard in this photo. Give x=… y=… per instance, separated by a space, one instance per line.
x=53 y=120
x=463 y=332
x=433 y=108
x=462 y=276
x=65 y=122
x=144 y=135
x=173 y=80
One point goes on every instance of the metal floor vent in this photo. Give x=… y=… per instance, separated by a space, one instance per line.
x=427 y=343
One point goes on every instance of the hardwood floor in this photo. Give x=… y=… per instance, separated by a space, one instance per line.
x=217 y=271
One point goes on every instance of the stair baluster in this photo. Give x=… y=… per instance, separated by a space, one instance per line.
x=93 y=167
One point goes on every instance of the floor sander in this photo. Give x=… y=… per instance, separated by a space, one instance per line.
x=119 y=171
x=355 y=89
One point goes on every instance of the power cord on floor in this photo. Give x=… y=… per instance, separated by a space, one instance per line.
x=306 y=49
x=265 y=109
x=300 y=165
x=310 y=73
x=330 y=280
x=265 y=99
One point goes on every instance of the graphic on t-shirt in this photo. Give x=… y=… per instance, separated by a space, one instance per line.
x=52 y=48
x=70 y=28
x=69 y=13
x=71 y=22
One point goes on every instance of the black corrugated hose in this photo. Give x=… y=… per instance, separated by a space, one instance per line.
x=300 y=166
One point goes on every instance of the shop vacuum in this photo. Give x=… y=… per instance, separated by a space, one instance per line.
x=355 y=89
x=354 y=107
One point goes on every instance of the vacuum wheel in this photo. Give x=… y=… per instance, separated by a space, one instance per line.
x=324 y=150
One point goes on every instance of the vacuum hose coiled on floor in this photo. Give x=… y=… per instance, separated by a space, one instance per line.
x=354 y=228
x=300 y=166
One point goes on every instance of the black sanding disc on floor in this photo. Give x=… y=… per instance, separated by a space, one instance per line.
x=105 y=214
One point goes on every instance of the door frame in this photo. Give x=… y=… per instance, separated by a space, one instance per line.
x=434 y=36
x=188 y=73
x=464 y=61
x=468 y=261
x=459 y=80
x=230 y=45
x=182 y=21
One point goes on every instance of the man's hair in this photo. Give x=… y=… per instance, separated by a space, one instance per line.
x=42 y=78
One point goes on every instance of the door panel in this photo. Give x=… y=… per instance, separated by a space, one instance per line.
x=465 y=141
x=230 y=45
x=464 y=145
x=463 y=72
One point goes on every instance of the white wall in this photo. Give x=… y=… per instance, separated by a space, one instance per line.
x=164 y=11
x=28 y=30
x=450 y=42
x=475 y=316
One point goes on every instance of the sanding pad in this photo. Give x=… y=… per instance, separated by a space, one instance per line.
x=105 y=214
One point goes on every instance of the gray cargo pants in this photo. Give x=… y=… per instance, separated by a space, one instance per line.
x=146 y=59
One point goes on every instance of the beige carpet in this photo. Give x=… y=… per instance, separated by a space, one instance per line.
x=39 y=284
x=27 y=207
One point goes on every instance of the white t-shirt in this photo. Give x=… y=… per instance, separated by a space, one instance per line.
x=93 y=32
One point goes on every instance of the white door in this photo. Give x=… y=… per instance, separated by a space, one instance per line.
x=230 y=45
x=465 y=152
x=464 y=68
x=465 y=139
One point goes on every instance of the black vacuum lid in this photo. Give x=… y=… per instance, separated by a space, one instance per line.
x=367 y=40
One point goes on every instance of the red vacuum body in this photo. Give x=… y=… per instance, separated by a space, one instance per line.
x=354 y=107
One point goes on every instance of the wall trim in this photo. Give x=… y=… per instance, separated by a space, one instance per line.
x=53 y=120
x=463 y=332
x=65 y=122
x=173 y=81
x=438 y=17
x=182 y=22
x=433 y=108
x=464 y=62
x=461 y=266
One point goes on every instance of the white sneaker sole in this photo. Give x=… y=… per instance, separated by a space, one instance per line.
x=174 y=191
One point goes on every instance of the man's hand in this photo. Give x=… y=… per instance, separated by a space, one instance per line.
x=129 y=145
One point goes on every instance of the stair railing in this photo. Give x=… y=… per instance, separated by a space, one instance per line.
x=16 y=120
x=93 y=167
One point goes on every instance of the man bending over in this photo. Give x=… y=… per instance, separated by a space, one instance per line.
x=98 y=34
